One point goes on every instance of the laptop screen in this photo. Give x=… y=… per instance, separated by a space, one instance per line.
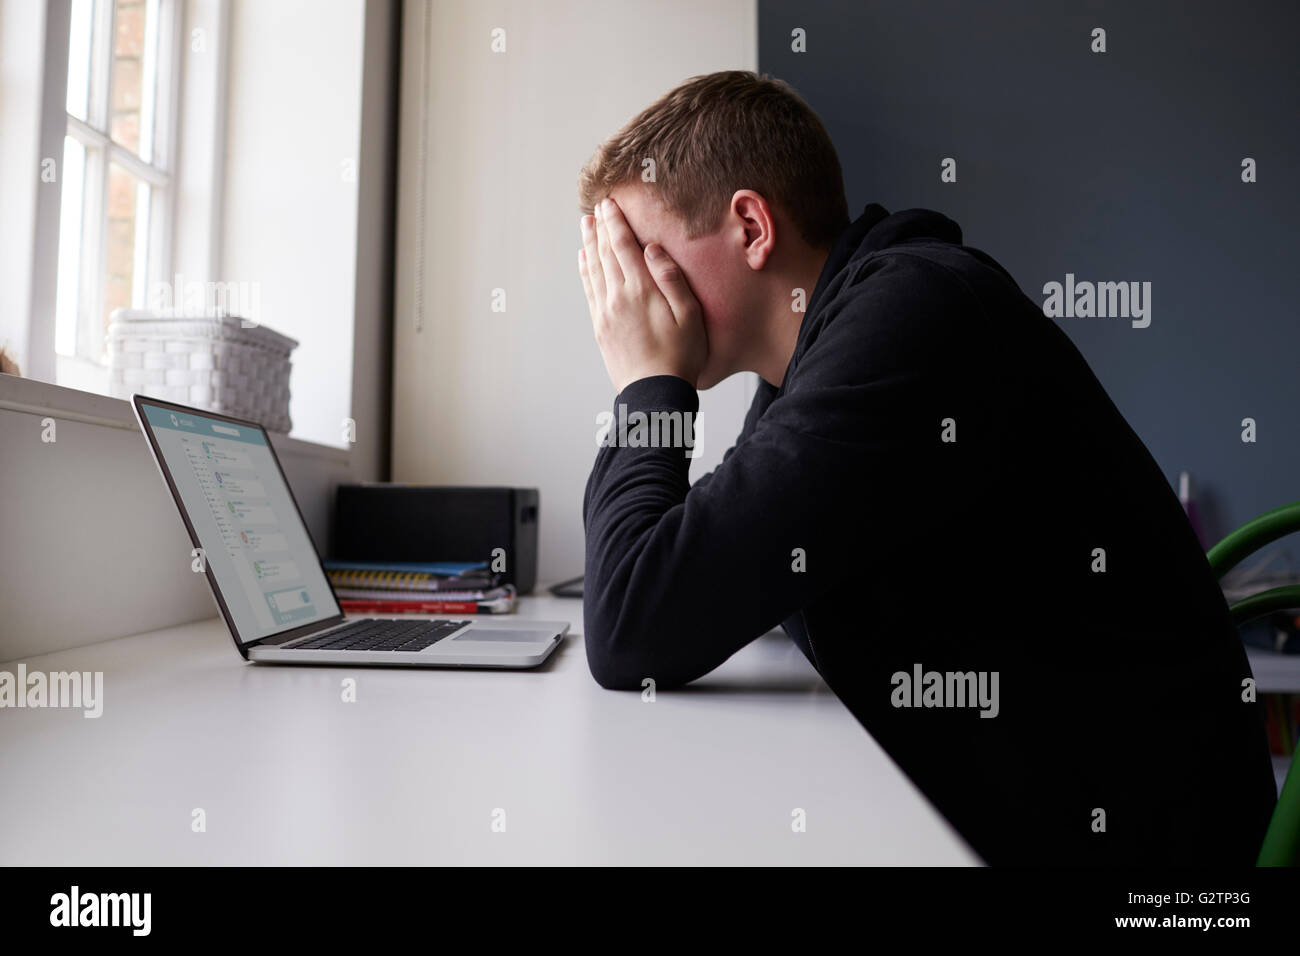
x=253 y=538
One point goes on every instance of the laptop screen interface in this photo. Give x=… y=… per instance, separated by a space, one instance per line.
x=253 y=539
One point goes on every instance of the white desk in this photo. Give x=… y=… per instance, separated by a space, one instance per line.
x=412 y=772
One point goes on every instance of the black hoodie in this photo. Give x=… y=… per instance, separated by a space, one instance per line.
x=941 y=498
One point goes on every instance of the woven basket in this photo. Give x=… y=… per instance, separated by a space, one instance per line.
x=211 y=363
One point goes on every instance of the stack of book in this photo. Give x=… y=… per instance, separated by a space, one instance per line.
x=443 y=587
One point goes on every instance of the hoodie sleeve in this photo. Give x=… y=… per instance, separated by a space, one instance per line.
x=679 y=578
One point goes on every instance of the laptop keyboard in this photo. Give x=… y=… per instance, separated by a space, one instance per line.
x=382 y=635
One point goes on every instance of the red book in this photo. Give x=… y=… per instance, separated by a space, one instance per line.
x=499 y=606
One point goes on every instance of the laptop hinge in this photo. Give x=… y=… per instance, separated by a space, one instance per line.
x=275 y=640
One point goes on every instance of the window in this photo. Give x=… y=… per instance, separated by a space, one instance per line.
x=179 y=155
x=117 y=186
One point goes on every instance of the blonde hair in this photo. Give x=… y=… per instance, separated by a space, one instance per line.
x=722 y=132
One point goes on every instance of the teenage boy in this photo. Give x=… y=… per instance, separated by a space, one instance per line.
x=932 y=494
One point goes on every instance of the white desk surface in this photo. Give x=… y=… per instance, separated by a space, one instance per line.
x=414 y=770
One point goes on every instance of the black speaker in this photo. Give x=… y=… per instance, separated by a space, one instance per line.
x=379 y=521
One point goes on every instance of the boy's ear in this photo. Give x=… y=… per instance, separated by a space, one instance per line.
x=757 y=224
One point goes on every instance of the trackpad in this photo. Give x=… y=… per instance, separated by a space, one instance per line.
x=518 y=637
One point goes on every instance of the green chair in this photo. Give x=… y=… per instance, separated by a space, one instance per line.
x=1281 y=845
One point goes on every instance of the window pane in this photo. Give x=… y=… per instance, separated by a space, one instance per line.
x=127 y=241
x=79 y=52
x=71 y=219
x=149 y=92
x=135 y=43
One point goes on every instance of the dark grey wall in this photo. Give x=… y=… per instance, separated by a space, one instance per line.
x=1124 y=165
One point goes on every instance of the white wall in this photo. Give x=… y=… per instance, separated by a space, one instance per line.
x=93 y=546
x=22 y=31
x=289 y=203
x=490 y=398
x=26 y=138
x=201 y=122
x=372 y=340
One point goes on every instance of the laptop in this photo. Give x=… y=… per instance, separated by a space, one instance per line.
x=266 y=574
